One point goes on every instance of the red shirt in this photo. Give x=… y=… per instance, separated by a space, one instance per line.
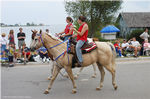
x=67 y=29
x=117 y=45
x=11 y=39
x=84 y=36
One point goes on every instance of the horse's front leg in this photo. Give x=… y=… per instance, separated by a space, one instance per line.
x=55 y=73
x=52 y=71
x=69 y=71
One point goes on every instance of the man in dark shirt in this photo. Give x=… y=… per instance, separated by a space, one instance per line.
x=21 y=38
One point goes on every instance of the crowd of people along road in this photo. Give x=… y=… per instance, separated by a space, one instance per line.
x=10 y=54
x=133 y=46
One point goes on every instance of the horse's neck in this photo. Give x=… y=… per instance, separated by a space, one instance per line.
x=55 y=51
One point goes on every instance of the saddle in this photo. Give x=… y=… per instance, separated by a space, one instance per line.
x=86 y=48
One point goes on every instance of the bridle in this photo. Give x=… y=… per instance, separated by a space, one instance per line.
x=54 y=46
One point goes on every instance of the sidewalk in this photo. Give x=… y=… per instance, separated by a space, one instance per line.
x=124 y=59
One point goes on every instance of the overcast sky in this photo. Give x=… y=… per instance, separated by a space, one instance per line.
x=51 y=11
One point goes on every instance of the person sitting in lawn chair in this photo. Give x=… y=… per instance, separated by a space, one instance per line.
x=124 y=47
x=43 y=54
x=135 y=45
x=26 y=53
x=118 y=48
x=146 y=47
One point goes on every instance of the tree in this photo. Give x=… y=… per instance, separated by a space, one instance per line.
x=28 y=24
x=16 y=24
x=98 y=13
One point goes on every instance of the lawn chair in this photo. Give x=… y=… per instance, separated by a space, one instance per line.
x=146 y=51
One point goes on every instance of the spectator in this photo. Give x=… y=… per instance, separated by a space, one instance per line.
x=47 y=31
x=145 y=35
x=21 y=39
x=3 y=44
x=129 y=49
x=118 y=48
x=11 y=53
x=26 y=53
x=135 y=45
x=43 y=54
x=146 y=45
x=11 y=37
x=124 y=47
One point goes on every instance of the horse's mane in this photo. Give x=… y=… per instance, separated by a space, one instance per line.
x=53 y=37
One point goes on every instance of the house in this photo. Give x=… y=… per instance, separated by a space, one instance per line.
x=109 y=36
x=132 y=21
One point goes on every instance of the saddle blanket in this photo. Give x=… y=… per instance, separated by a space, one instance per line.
x=89 y=49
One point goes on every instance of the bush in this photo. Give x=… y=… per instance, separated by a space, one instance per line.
x=98 y=35
x=136 y=33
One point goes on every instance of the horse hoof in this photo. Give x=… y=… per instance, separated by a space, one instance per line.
x=49 y=78
x=46 y=92
x=94 y=76
x=74 y=91
x=66 y=76
x=115 y=87
x=75 y=77
x=98 y=88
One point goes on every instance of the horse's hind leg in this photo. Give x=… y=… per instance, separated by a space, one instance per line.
x=55 y=73
x=112 y=71
x=69 y=71
x=76 y=76
x=101 y=69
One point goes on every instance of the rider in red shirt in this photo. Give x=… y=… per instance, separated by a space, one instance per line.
x=68 y=32
x=82 y=34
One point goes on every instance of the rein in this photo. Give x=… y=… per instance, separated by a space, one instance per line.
x=55 y=46
x=41 y=39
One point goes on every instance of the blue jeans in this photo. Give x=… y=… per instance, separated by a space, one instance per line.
x=78 y=50
x=3 y=48
x=67 y=37
x=118 y=51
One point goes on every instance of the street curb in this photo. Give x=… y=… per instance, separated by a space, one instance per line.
x=117 y=60
x=124 y=59
x=132 y=59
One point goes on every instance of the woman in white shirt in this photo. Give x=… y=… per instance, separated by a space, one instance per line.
x=145 y=35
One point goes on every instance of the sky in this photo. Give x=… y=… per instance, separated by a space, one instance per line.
x=51 y=11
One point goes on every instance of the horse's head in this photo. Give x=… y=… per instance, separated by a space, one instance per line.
x=34 y=32
x=36 y=41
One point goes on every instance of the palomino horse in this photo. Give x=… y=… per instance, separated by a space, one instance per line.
x=34 y=32
x=104 y=56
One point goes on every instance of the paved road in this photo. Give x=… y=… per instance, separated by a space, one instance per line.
x=29 y=82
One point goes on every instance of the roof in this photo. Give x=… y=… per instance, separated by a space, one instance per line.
x=137 y=19
x=110 y=29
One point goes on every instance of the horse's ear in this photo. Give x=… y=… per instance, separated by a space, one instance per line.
x=40 y=31
x=32 y=31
